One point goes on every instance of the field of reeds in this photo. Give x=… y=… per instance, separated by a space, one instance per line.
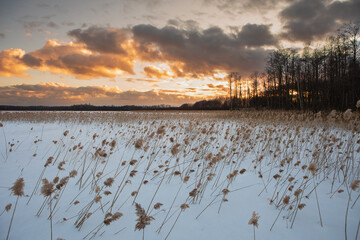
x=180 y=175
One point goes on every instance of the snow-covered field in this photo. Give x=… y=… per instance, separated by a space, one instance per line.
x=192 y=175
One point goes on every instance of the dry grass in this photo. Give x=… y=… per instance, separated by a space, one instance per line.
x=204 y=153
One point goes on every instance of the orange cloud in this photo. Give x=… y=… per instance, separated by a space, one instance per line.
x=142 y=80
x=107 y=52
x=53 y=94
x=217 y=88
x=69 y=59
x=151 y=71
x=77 y=60
x=11 y=64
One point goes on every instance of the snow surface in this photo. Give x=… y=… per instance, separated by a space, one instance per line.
x=243 y=142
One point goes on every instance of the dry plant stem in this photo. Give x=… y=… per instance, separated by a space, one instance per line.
x=142 y=180
x=254 y=231
x=120 y=230
x=347 y=210
x=276 y=218
x=82 y=173
x=317 y=202
x=297 y=208
x=98 y=227
x=51 y=228
x=57 y=200
x=357 y=231
x=221 y=202
x=357 y=198
x=170 y=217
x=6 y=150
x=78 y=195
x=2 y=212
x=146 y=171
x=118 y=191
x=207 y=206
x=36 y=185
x=172 y=227
x=172 y=204
x=12 y=217
x=152 y=199
x=43 y=205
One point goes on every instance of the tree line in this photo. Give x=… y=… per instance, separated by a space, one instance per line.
x=326 y=77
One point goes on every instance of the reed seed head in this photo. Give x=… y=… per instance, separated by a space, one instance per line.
x=49 y=161
x=60 y=166
x=157 y=205
x=139 y=143
x=73 y=173
x=47 y=188
x=108 y=182
x=97 y=199
x=286 y=200
x=254 y=220
x=18 y=187
x=143 y=219
x=355 y=185
x=313 y=168
x=8 y=207
x=301 y=206
x=184 y=206
x=298 y=192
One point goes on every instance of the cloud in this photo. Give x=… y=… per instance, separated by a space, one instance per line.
x=189 y=52
x=31 y=26
x=68 y=59
x=142 y=80
x=201 y=52
x=104 y=40
x=52 y=25
x=345 y=10
x=218 y=88
x=2 y=35
x=11 y=63
x=54 y=94
x=151 y=71
x=253 y=35
x=308 y=20
x=67 y=23
x=235 y=7
x=43 y=5
x=31 y=61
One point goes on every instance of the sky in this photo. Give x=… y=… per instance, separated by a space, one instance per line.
x=149 y=52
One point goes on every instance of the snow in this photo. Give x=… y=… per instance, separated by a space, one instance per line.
x=244 y=140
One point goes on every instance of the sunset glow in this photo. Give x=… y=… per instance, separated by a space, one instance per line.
x=151 y=51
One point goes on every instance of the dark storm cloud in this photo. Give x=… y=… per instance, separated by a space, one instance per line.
x=31 y=61
x=101 y=39
x=303 y=9
x=254 y=35
x=346 y=11
x=167 y=36
x=308 y=20
x=203 y=51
